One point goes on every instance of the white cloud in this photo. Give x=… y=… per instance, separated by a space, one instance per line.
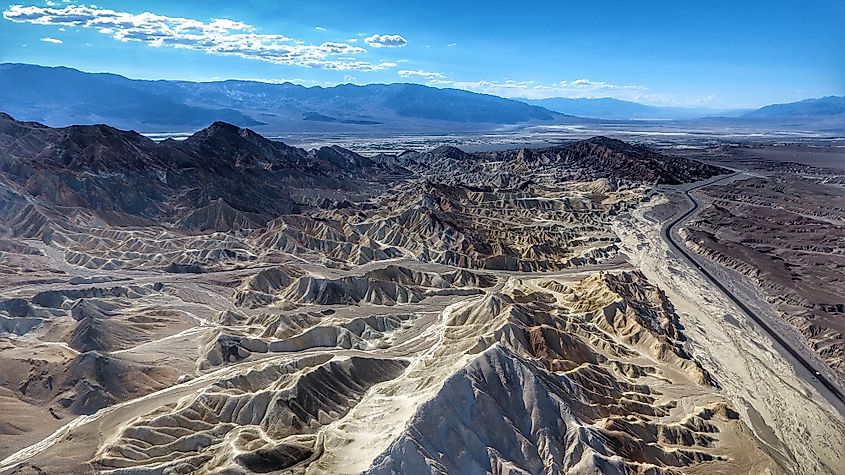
x=428 y=75
x=319 y=28
x=535 y=90
x=55 y=41
x=578 y=88
x=452 y=44
x=219 y=36
x=386 y=41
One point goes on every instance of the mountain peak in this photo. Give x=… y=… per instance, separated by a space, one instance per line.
x=223 y=134
x=450 y=151
x=603 y=140
x=219 y=124
x=218 y=128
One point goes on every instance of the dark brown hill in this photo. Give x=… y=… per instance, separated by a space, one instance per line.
x=117 y=173
x=597 y=157
x=631 y=162
x=225 y=177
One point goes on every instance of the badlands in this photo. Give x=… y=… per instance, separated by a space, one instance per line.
x=230 y=304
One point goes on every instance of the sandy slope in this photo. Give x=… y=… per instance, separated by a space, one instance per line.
x=800 y=426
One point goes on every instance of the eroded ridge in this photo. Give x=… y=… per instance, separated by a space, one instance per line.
x=229 y=304
x=527 y=375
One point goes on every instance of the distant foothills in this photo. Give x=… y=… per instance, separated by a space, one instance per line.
x=60 y=96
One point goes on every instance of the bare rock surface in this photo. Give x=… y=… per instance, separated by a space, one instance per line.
x=231 y=304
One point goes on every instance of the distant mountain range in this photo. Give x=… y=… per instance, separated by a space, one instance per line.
x=820 y=111
x=825 y=107
x=60 y=96
x=616 y=109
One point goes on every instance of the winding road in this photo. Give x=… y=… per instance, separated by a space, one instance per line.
x=834 y=394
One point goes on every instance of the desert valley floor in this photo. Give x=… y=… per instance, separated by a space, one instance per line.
x=231 y=304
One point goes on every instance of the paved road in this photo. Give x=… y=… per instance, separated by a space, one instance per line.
x=833 y=390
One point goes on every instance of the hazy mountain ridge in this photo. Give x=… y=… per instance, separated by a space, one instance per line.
x=823 y=107
x=60 y=96
x=63 y=96
x=806 y=111
x=611 y=108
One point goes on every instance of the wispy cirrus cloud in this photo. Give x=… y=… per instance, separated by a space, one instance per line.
x=537 y=90
x=431 y=76
x=530 y=89
x=219 y=36
x=578 y=88
x=386 y=41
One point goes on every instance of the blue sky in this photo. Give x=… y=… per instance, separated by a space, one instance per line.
x=713 y=54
